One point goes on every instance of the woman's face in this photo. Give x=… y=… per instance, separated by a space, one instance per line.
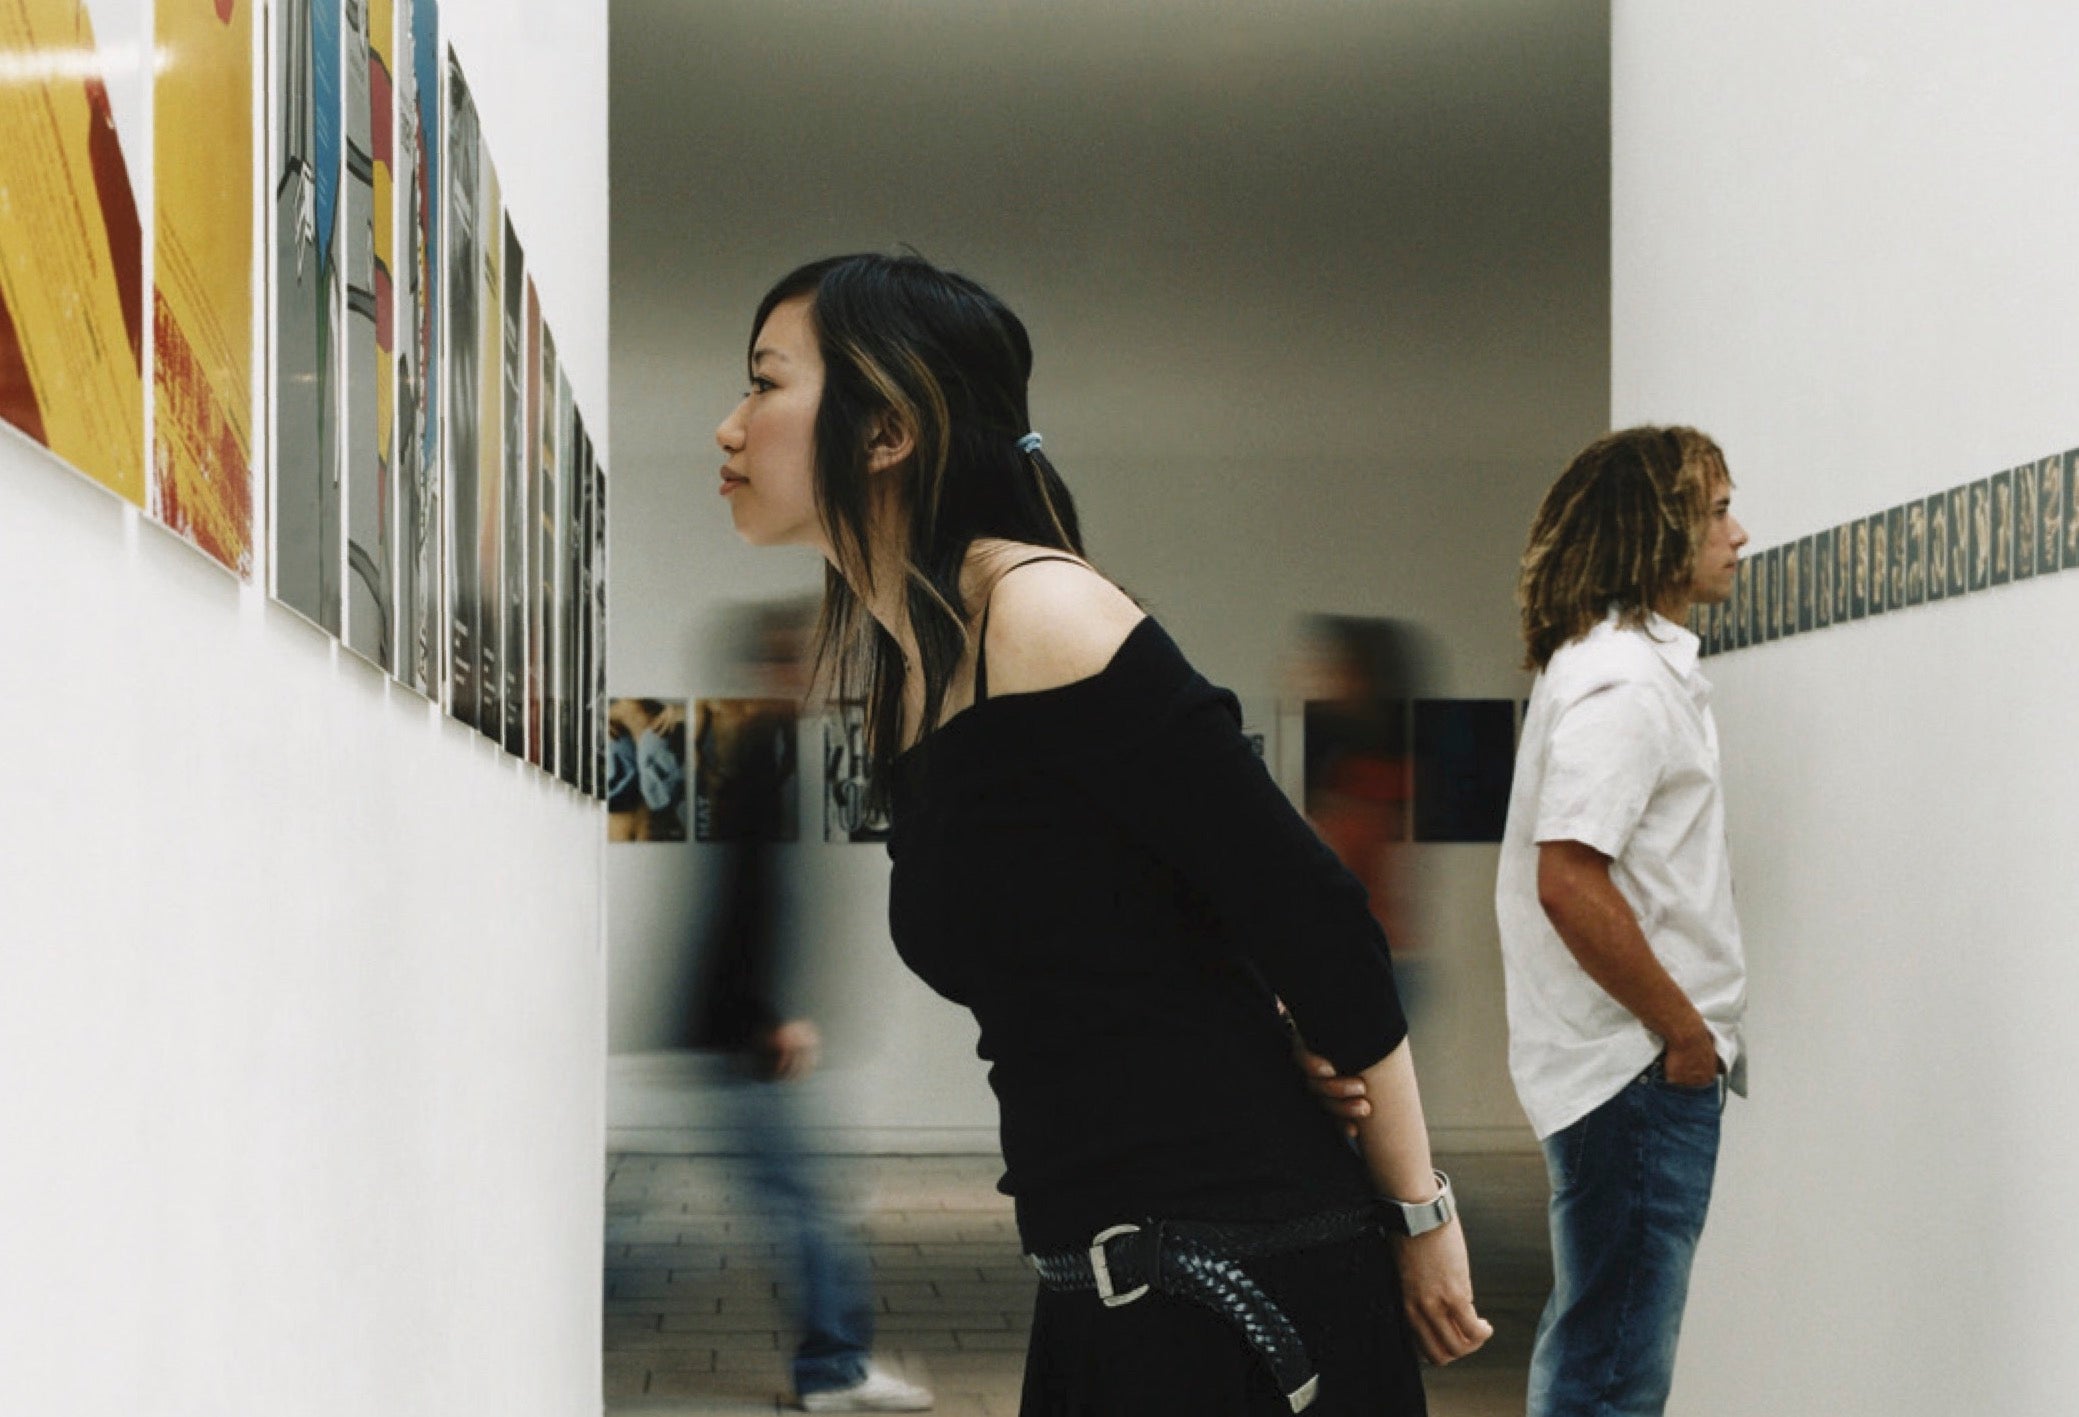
x=769 y=472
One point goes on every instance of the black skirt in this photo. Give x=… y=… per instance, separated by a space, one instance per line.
x=1162 y=1355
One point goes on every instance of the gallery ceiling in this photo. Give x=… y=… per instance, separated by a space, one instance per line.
x=1334 y=228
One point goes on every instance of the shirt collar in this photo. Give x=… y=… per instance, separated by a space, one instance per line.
x=1678 y=646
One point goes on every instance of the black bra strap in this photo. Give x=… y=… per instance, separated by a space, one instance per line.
x=982 y=640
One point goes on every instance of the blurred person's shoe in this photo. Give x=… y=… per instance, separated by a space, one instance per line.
x=878 y=1391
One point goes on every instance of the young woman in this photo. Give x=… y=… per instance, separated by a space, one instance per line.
x=1088 y=855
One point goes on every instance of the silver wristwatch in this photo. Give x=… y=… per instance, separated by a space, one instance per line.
x=1420 y=1219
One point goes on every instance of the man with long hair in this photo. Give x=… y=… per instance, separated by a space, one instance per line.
x=1626 y=980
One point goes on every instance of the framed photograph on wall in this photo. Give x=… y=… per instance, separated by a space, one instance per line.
x=1844 y=570
x=1978 y=539
x=1822 y=579
x=1895 y=559
x=846 y=817
x=2050 y=515
x=1745 y=593
x=744 y=770
x=1959 y=533
x=2002 y=533
x=597 y=623
x=517 y=514
x=1916 y=553
x=416 y=493
x=1772 y=594
x=540 y=444
x=1787 y=607
x=308 y=555
x=2024 y=479
x=2071 y=556
x=1465 y=754
x=1804 y=585
x=570 y=594
x=1938 y=546
x=583 y=758
x=591 y=619
x=1764 y=602
x=205 y=283
x=463 y=255
x=1727 y=614
x=367 y=627
x=78 y=170
x=1880 y=563
x=489 y=532
x=1742 y=606
x=1859 y=581
x=646 y=770
x=1786 y=603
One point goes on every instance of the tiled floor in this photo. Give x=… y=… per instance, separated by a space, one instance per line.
x=695 y=1320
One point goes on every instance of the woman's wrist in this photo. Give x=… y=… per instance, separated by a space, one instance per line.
x=1438 y=1184
x=1416 y=1218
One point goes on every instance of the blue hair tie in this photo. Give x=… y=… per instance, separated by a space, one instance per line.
x=1030 y=443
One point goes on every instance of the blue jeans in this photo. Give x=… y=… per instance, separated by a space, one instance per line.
x=834 y=1306
x=1631 y=1182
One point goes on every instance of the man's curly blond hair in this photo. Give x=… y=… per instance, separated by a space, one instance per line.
x=1620 y=528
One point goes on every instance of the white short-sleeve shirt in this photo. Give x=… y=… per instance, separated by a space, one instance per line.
x=1620 y=753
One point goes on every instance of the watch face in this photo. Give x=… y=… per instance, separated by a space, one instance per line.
x=1422 y=1217
x=1432 y=1216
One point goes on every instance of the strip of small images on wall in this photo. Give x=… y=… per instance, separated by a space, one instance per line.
x=2018 y=523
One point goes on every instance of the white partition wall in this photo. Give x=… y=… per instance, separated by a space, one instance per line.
x=301 y=982
x=1843 y=243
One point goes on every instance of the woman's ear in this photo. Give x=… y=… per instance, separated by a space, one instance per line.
x=889 y=441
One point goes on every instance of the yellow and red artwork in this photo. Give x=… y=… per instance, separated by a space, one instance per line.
x=202 y=288
x=71 y=243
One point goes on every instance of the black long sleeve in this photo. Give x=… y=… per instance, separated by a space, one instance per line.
x=1186 y=783
x=1106 y=875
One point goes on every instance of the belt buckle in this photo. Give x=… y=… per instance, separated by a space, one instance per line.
x=1103 y=1271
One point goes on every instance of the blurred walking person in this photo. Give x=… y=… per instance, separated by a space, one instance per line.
x=748 y=966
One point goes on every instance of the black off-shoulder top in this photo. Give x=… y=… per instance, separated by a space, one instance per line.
x=1106 y=874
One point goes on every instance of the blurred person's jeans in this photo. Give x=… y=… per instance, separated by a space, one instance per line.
x=833 y=1306
x=1631 y=1183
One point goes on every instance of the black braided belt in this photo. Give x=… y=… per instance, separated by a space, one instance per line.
x=1199 y=1260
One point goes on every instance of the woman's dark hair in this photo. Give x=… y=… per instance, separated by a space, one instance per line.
x=902 y=339
x=1621 y=527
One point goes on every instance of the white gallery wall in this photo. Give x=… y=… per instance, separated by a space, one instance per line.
x=1319 y=301
x=301 y=984
x=1843 y=241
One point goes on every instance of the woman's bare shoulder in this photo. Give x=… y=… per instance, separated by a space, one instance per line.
x=1053 y=622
